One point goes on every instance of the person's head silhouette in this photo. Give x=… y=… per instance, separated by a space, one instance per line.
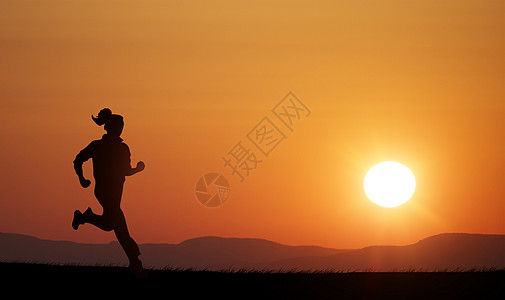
x=113 y=123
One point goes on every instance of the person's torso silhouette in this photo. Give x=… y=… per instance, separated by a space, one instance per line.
x=111 y=163
x=111 y=159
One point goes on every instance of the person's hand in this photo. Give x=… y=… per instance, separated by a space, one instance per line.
x=140 y=166
x=84 y=182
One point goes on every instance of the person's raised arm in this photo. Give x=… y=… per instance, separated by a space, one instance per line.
x=139 y=168
x=127 y=163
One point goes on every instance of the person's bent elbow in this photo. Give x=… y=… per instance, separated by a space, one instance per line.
x=77 y=163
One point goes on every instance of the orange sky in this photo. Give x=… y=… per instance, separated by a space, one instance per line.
x=418 y=82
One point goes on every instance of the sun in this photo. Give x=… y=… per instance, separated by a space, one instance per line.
x=389 y=184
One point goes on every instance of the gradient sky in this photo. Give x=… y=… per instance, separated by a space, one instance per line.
x=418 y=82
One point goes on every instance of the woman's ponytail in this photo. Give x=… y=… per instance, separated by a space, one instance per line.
x=102 y=117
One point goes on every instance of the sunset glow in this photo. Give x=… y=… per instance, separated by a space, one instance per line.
x=389 y=184
x=199 y=85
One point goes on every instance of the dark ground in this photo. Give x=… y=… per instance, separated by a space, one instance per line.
x=104 y=282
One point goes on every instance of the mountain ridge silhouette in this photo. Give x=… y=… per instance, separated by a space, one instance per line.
x=448 y=251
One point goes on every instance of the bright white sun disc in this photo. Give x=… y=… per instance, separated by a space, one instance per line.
x=389 y=184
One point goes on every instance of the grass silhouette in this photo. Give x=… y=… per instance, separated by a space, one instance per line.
x=247 y=283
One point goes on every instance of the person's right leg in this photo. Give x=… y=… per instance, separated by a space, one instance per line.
x=130 y=247
x=110 y=198
x=123 y=236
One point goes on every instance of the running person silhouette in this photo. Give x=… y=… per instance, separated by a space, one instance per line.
x=111 y=163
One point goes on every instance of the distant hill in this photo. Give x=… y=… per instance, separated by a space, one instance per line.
x=445 y=251
x=450 y=251
x=218 y=253
x=200 y=253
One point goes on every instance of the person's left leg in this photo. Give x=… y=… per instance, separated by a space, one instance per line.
x=77 y=220
x=90 y=217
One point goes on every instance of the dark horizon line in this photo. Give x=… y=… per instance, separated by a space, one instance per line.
x=262 y=240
